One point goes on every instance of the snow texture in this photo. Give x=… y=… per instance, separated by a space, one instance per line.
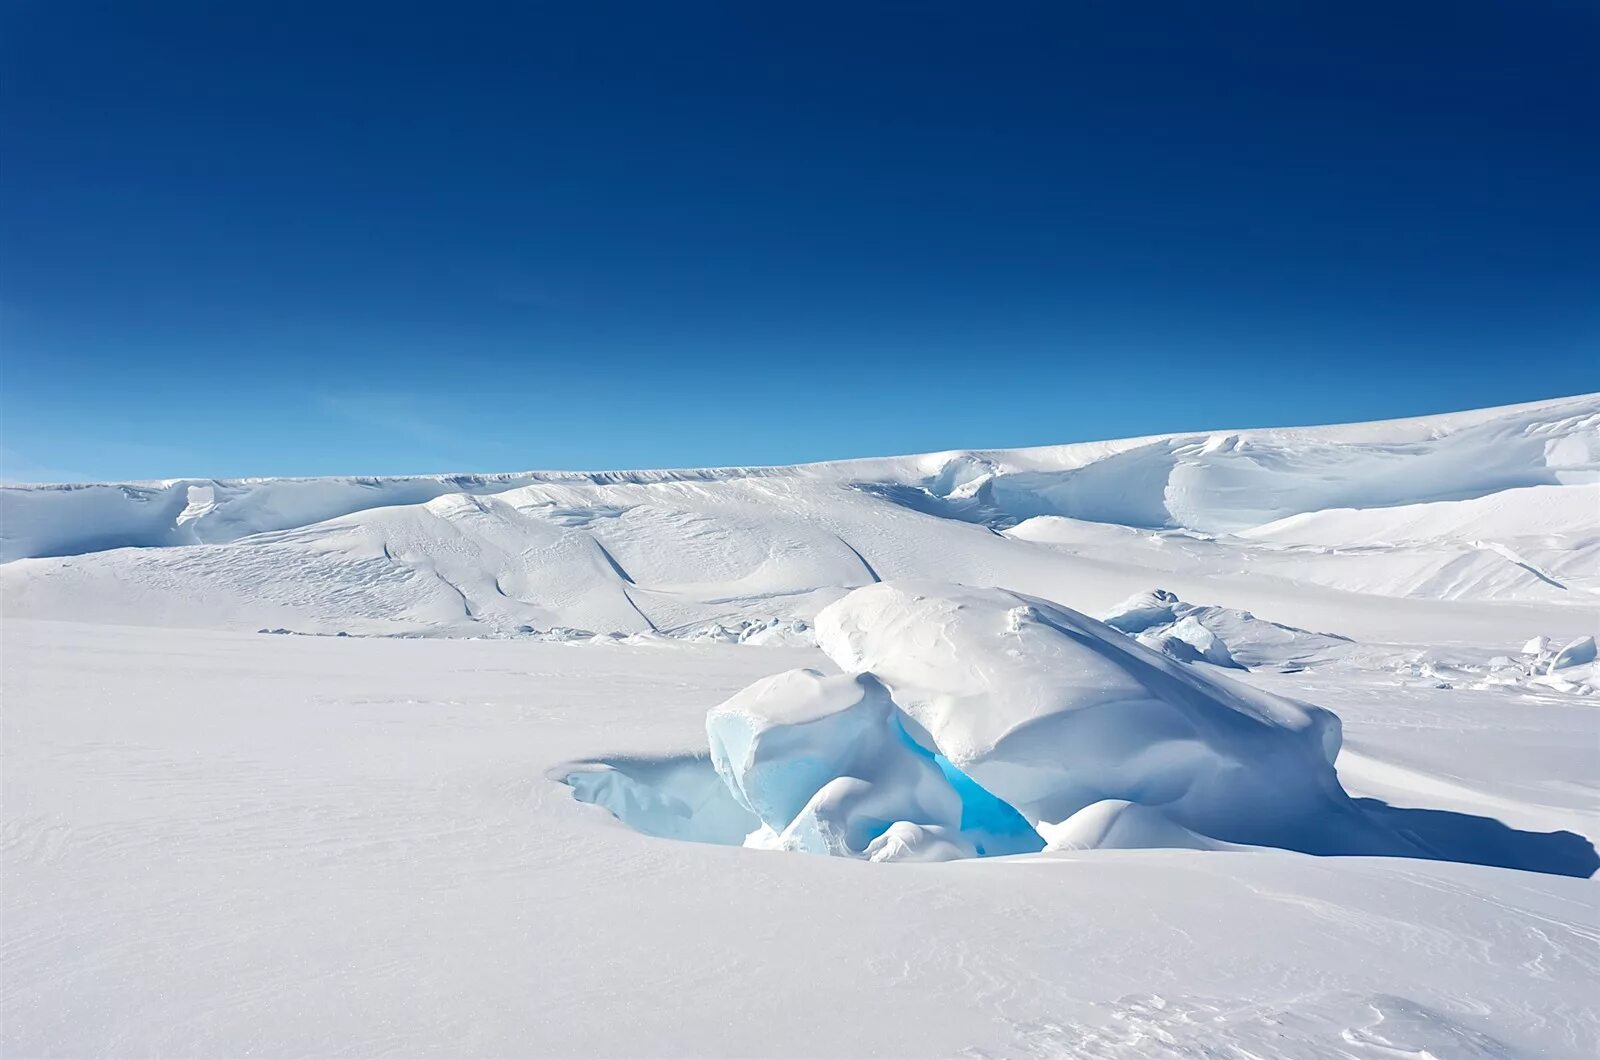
x=484 y=820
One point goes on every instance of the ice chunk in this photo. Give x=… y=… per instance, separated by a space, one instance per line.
x=675 y=798
x=769 y=631
x=790 y=633
x=1144 y=610
x=1052 y=711
x=1210 y=647
x=825 y=764
x=1576 y=653
x=991 y=826
x=1253 y=642
x=1224 y=636
x=849 y=813
x=1536 y=646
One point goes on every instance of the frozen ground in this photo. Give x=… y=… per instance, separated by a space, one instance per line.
x=221 y=842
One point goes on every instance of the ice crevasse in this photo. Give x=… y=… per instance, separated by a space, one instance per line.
x=977 y=721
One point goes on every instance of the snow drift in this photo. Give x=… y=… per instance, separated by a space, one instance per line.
x=1223 y=636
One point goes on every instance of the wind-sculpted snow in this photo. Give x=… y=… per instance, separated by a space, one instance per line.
x=1118 y=824
x=1234 y=480
x=980 y=722
x=70 y=520
x=689 y=553
x=1211 y=481
x=217 y=842
x=1223 y=636
x=1053 y=712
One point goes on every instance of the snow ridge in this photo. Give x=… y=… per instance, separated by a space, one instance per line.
x=1493 y=505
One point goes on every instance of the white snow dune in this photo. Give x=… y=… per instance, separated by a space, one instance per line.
x=518 y=810
x=1369 y=525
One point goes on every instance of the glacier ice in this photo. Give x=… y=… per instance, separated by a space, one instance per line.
x=824 y=763
x=679 y=797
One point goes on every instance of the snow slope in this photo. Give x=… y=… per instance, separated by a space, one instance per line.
x=1497 y=506
x=1226 y=480
x=487 y=822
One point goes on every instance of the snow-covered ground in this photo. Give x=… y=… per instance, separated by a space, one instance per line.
x=428 y=837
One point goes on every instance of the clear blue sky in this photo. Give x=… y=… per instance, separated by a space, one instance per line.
x=301 y=238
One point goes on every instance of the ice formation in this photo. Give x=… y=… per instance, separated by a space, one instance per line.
x=1577 y=653
x=824 y=764
x=1568 y=668
x=1052 y=711
x=673 y=798
x=1117 y=824
x=977 y=721
x=1223 y=636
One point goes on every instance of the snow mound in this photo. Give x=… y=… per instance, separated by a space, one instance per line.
x=1117 y=824
x=1052 y=712
x=1188 y=641
x=980 y=722
x=905 y=841
x=1223 y=636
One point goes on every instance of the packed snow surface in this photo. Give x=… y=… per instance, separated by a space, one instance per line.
x=1073 y=724
x=221 y=844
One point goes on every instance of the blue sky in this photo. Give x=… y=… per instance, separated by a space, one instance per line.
x=266 y=239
